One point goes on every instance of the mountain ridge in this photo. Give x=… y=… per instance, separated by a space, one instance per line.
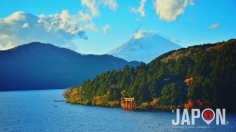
x=144 y=48
x=44 y=66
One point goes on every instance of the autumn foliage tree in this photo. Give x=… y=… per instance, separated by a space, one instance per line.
x=202 y=72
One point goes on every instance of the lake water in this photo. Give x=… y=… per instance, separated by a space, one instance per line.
x=36 y=111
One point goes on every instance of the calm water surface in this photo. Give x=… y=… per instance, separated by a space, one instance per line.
x=36 y=111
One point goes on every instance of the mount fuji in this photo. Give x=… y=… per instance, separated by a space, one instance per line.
x=144 y=46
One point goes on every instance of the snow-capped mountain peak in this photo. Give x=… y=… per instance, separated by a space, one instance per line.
x=144 y=46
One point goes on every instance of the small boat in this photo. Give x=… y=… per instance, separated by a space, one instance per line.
x=59 y=100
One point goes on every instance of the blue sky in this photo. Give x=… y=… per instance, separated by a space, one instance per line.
x=98 y=26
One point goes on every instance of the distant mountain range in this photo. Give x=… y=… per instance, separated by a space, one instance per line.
x=145 y=48
x=45 y=66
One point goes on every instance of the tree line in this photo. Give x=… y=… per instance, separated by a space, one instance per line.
x=197 y=76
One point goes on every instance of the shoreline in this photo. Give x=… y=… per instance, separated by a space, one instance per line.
x=151 y=109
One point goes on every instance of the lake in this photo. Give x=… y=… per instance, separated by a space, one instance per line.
x=36 y=111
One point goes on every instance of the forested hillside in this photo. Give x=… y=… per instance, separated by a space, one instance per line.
x=197 y=76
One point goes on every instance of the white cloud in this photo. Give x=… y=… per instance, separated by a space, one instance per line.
x=4 y=43
x=17 y=16
x=214 y=26
x=91 y=26
x=140 y=34
x=61 y=22
x=84 y=17
x=105 y=29
x=94 y=4
x=191 y=2
x=26 y=25
x=169 y=10
x=59 y=29
x=112 y=4
x=140 y=9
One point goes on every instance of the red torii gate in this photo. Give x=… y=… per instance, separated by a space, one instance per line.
x=129 y=104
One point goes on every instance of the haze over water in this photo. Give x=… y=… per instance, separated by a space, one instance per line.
x=37 y=111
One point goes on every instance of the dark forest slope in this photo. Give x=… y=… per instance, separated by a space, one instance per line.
x=201 y=75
